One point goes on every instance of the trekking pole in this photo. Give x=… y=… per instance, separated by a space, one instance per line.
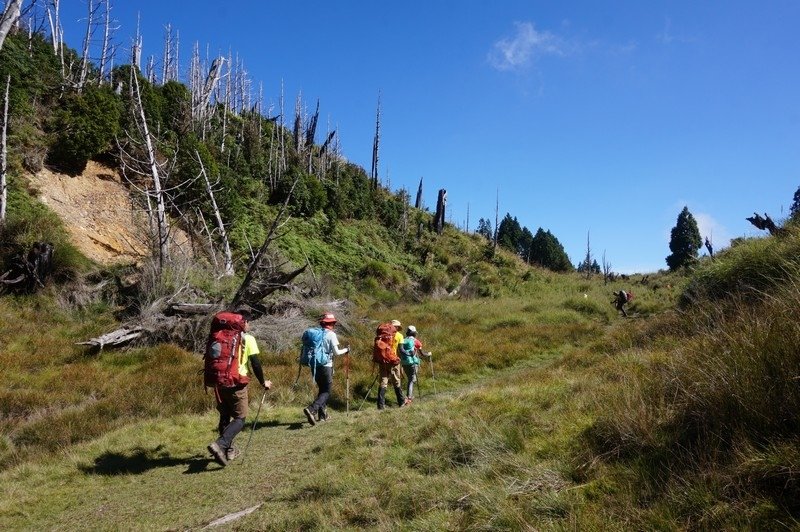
x=347 y=380
x=368 y=391
x=244 y=453
x=430 y=358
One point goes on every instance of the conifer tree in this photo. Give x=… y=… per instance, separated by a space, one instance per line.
x=684 y=241
x=794 y=210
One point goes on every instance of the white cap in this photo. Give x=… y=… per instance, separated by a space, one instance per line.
x=412 y=329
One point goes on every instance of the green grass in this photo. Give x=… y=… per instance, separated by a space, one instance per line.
x=552 y=413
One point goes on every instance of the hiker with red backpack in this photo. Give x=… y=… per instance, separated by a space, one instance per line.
x=229 y=351
x=622 y=298
x=385 y=354
x=409 y=351
x=320 y=345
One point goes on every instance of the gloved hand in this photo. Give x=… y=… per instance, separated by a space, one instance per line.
x=267 y=385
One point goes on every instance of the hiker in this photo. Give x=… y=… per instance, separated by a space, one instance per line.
x=621 y=298
x=409 y=349
x=323 y=372
x=385 y=354
x=230 y=390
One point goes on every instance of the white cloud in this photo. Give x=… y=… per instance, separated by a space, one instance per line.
x=667 y=37
x=517 y=51
x=709 y=227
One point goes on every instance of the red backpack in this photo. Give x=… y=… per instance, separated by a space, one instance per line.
x=383 y=348
x=221 y=359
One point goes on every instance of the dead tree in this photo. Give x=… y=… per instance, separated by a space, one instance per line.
x=765 y=223
x=254 y=287
x=106 y=51
x=91 y=26
x=496 y=218
x=298 y=123
x=30 y=272
x=9 y=18
x=418 y=202
x=136 y=48
x=220 y=226
x=158 y=194
x=587 y=261
x=441 y=205
x=607 y=275
x=375 y=145
x=4 y=155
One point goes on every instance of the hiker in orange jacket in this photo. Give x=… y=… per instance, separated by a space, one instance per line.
x=391 y=371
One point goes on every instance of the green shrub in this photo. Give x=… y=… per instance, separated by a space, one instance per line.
x=84 y=127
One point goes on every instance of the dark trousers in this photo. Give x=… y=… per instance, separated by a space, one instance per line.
x=324 y=379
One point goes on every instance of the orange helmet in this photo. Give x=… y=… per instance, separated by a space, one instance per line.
x=328 y=317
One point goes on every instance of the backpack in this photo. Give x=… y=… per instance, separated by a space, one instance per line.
x=221 y=359
x=312 y=353
x=628 y=296
x=383 y=347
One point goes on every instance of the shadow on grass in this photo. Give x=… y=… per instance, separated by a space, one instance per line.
x=140 y=460
x=275 y=423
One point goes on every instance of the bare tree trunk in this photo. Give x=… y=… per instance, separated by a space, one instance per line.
x=4 y=156
x=606 y=269
x=163 y=251
x=136 y=49
x=298 y=122
x=9 y=18
x=587 y=262
x=255 y=263
x=222 y=233
x=105 y=52
x=439 y=218
x=496 y=217
x=87 y=39
x=375 y=145
x=167 y=51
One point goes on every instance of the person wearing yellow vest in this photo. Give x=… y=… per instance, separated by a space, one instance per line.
x=232 y=403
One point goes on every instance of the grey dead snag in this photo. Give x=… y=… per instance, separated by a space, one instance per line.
x=441 y=206
x=9 y=18
x=161 y=217
x=253 y=289
x=30 y=272
x=4 y=155
x=226 y=248
x=375 y=145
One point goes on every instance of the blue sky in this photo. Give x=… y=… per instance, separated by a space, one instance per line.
x=605 y=117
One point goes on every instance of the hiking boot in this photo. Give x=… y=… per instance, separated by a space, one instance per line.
x=232 y=453
x=408 y=401
x=322 y=415
x=219 y=455
x=401 y=400
x=381 y=398
x=310 y=416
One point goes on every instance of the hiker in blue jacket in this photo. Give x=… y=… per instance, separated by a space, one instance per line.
x=323 y=374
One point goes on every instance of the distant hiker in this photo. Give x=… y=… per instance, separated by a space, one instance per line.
x=409 y=349
x=320 y=345
x=229 y=350
x=622 y=298
x=385 y=354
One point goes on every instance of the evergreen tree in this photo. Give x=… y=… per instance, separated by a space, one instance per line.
x=509 y=233
x=684 y=241
x=548 y=252
x=524 y=244
x=794 y=210
x=485 y=228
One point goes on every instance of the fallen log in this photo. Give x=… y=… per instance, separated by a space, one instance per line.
x=116 y=338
